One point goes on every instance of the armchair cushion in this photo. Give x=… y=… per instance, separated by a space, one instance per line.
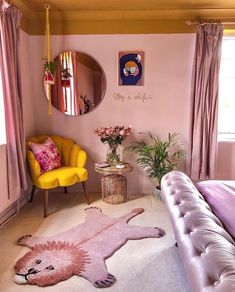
x=63 y=176
x=46 y=154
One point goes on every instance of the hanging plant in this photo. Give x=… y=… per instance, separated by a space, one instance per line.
x=49 y=72
x=65 y=73
x=50 y=66
x=65 y=81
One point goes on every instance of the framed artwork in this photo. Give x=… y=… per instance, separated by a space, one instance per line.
x=131 y=68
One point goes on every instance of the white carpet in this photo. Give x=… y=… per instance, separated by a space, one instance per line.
x=151 y=265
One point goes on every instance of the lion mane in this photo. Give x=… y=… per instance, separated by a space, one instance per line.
x=52 y=262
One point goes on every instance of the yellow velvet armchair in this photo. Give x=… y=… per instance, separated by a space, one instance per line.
x=73 y=160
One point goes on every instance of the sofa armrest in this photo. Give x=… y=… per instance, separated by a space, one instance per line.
x=206 y=249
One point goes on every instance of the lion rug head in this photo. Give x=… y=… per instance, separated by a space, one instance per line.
x=49 y=263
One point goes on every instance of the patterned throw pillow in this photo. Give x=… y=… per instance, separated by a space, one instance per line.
x=46 y=154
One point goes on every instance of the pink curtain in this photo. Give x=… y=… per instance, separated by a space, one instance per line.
x=204 y=101
x=9 y=43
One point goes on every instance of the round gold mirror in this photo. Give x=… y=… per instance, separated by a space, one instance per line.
x=79 y=84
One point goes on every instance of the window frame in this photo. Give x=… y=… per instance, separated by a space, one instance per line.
x=225 y=136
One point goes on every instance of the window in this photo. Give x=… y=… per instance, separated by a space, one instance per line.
x=226 y=119
x=2 y=117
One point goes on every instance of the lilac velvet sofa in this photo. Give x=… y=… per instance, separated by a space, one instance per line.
x=206 y=248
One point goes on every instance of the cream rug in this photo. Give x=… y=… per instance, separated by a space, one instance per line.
x=144 y=265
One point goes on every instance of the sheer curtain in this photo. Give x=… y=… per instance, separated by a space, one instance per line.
x=204 y=101
x=9 y=43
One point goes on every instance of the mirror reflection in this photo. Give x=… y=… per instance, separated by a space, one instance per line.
x=80 y=83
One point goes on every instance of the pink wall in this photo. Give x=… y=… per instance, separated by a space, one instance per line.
x=168 y=62
x=226 y=161
x=168 y=65
x=86 y=77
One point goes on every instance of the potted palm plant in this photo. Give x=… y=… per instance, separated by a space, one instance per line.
x=157 y=157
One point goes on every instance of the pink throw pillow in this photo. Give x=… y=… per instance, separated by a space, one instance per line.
x=46 y=154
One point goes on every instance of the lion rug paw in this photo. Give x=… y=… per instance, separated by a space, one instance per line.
x=80 y=251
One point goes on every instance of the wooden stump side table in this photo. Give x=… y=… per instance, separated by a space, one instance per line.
x=114 y=183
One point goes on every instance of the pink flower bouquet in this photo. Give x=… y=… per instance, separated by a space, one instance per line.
x=113 y=136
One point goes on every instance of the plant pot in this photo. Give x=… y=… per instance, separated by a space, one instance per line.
x=49 y=77
x=65 y=83
x=157 y=193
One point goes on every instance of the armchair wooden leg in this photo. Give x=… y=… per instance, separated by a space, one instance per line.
x=66 y=190
x=32 y=193
x=45 y=203
x=85 y=192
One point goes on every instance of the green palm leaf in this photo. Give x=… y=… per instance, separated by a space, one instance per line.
x=155 y=156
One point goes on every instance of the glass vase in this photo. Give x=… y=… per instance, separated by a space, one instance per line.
x=113 y=155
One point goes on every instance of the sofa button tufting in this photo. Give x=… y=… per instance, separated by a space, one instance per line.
x=196 y=229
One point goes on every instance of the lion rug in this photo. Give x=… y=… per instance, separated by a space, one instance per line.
x=79 y=251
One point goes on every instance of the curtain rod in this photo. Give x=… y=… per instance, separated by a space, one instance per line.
x=190 y=22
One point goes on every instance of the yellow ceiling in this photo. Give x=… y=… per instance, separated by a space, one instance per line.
x=122 y=16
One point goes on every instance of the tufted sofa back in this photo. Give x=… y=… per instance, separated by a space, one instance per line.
x=67 y=148
x=206 y=249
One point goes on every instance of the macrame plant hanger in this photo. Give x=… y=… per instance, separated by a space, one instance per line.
x=49 y=65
